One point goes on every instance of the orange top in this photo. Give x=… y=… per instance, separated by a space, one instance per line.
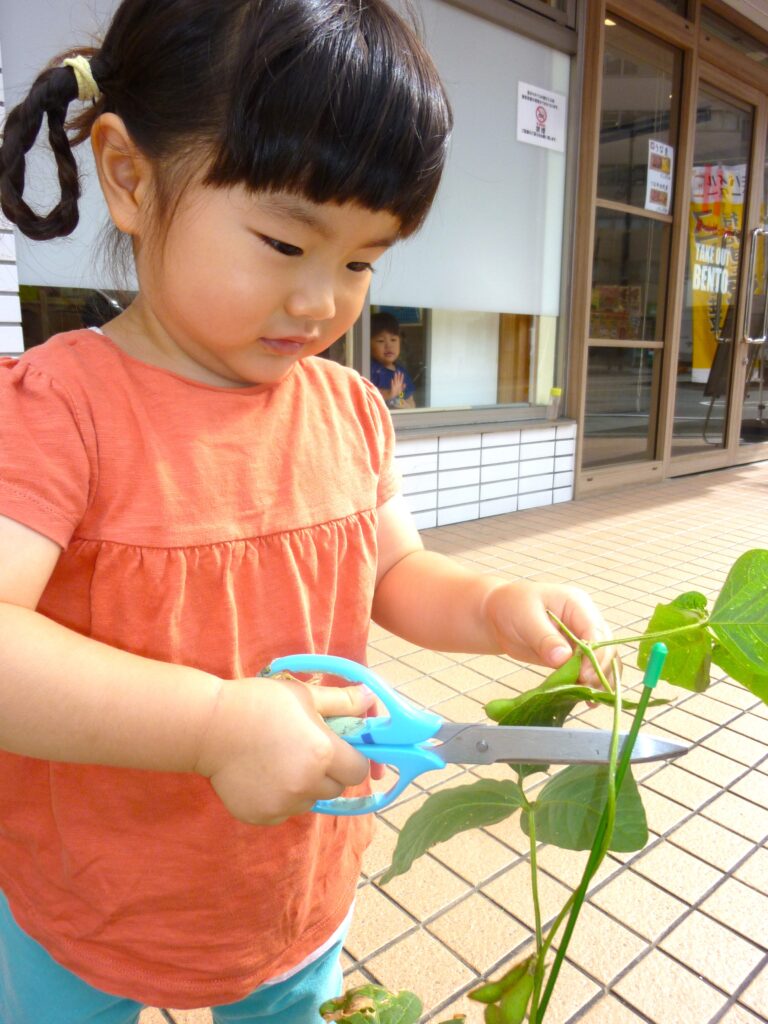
x=211 y=527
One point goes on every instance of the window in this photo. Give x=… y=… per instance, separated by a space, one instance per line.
x=476 y=293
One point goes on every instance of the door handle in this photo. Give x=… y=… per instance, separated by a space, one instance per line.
x=756 y=233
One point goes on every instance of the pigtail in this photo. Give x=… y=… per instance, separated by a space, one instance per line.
x=50 y=97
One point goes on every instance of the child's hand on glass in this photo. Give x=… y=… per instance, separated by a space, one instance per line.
x=269 y=754
x=517 y=614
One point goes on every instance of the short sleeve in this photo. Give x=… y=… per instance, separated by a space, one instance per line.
x=383 y=436
x=45 y=472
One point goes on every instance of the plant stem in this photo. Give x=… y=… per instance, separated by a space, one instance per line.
x=534 y=875
x=600 y=844
x=660 y=635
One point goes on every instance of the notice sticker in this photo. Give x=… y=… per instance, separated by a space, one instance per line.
x=541 y=116
x=658 y=188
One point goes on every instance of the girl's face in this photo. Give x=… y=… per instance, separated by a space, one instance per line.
x=245 y=285
x=385 y=348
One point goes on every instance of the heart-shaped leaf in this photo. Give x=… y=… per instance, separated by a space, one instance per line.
x=690 y=653
x=739 y=618
x=444 y=814
x=571 y=804
x=754 y=680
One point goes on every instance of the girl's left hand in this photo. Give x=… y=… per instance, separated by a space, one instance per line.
x=516 y=614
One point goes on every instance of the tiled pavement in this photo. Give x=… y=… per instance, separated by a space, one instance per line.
x=675 y=934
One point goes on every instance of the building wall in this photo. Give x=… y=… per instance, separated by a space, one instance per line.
x=10 y=310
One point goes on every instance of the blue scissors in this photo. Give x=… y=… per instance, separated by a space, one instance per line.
x=415 y=741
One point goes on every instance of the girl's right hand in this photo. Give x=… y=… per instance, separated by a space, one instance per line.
x=269 y=754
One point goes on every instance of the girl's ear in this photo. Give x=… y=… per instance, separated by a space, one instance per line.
x=124 y=172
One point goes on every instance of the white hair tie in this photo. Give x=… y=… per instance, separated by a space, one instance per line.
x=87 y=89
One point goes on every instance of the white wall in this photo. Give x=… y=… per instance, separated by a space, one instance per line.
x=11 y=340
x=493 y=239
x=31 y=33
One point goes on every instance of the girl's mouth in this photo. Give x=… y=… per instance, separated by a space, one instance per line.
x=283 y=346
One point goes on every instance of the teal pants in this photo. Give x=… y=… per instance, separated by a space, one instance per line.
x=35 y=989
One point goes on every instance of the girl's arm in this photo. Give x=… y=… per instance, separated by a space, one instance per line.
x=66 y=697
x=435 y=602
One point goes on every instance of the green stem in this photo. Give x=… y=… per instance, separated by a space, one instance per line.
x=660 y=635
x=531 y=808
x=534 y=875
x=600 y=845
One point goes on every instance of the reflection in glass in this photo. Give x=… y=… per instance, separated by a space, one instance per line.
x=640 y=78
x=708 y=329
x=723 y=29
x=620 y=415
x=754 y=417
x=629 y=277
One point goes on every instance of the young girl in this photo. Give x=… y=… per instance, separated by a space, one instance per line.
x=188 y=495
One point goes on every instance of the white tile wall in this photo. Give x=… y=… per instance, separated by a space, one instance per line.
x=11 y=340
x=459 y=477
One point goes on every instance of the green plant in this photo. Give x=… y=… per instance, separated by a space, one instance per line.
x=582 y=807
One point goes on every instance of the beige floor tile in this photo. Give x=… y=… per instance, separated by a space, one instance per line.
x=510 y=833
x=610 y=1011
x=491 y=665
x=689 y=727
x=475 y=855
x=668 y=993
x=567 y=866
x=460 y=677
x=741 y=908
x=426 y=888
x=427 y=661
x=738 y=747
x=722 y=771
x=421 y=964
x=661 y=813
x=376 y=922
x=601 y=946
x=712 y=842
x=461 y=708
x=754 y=870
x=426 y=692
x=753 y=727
x=740 y=815
x=734 y=695
x=394 y=646
x=738 y=1015
x=677 y=871
x=681 y=786
x=572 y=991
x=754 y=787
x=479 y=932
x=379 y=854
x=712 y=951
x=706 y=706
x=639 y=904
x=512 y=891
x=756 y=995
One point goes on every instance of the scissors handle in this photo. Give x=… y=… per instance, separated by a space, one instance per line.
x=392 y=739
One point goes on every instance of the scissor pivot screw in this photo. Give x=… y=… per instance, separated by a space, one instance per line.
x=481 y=746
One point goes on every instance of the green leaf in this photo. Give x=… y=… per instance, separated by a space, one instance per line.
x=544 y=706
x=572 y=802
x=449 y=812
x=754 y=680
x=739 y=618
x=372 y=1004
x=690 y=653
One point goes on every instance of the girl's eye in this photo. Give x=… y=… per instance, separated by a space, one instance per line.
x=282 y=247
x=360 y=268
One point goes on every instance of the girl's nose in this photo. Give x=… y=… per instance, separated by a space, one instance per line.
x=312 y=299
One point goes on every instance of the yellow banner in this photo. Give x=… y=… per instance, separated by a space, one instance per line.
x=717 y=205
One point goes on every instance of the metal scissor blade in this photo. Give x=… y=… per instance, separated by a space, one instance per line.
x=486 y=744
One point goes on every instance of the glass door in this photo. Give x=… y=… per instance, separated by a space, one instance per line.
x=709 y=334
x=754 y=413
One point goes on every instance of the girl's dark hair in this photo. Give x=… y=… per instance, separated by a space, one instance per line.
x=336 y=100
